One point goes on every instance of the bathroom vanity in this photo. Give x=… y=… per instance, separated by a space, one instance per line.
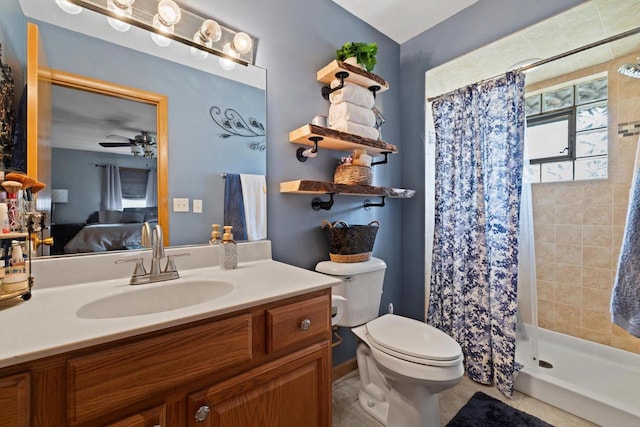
x=257 y=354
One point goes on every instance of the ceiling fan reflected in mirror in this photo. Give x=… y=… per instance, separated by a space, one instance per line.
x=142 y=145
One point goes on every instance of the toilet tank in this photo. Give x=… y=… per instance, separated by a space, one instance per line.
x=361 y=286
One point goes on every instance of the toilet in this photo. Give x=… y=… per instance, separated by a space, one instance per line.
x=403 y=363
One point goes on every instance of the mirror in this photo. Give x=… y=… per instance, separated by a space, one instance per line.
x=199 y=150
x=89 y=118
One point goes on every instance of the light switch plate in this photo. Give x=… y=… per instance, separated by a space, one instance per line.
x=180 y=205
x=197 y=206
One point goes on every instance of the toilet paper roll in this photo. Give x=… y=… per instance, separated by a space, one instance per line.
x=337 y=306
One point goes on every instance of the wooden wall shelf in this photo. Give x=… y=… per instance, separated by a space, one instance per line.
x=304 y=186
x=340 y=141
x=356 y=75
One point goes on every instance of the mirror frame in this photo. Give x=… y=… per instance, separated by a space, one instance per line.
x=74 y=81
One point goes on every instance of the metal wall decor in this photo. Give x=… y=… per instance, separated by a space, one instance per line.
x=233 y=124
x=7 y=115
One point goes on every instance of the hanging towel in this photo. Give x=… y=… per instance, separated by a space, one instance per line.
x=234 y=206
x=351 y=112
x=356 y=129
x=352 y=93
x=254 y=190
x=625 y=298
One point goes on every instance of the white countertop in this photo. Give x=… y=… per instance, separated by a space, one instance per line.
x=48 y=323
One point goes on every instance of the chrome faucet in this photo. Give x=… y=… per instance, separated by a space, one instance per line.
x=157 y=250
x=156 y=274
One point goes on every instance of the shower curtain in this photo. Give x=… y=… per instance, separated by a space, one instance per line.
x=479 y=165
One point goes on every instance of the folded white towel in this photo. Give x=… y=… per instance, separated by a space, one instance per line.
x=352 y=93
x=254 y=194
x=351 y=112
x=356 y=129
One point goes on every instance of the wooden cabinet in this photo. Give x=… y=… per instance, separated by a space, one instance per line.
x=14 y=400
x=270 y=363
x=292 y=391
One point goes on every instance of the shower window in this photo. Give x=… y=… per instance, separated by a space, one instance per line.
x=567 y=134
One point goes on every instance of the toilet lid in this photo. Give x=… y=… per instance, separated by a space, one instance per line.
x=409 y=337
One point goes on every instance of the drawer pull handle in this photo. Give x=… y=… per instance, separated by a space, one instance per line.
x=202 y=413
x=305 y=324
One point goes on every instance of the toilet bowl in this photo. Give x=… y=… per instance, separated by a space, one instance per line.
x=403 y=363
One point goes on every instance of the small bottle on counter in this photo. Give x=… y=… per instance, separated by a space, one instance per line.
x=228 y=250
x=215 y=235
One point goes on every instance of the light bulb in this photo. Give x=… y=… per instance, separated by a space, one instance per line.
x=120 y=9
x=242 y=43
x=136 y=150
x=159 y=39
x=210 y=31
x=169 y=12
x=225 y=63
x=70 y=8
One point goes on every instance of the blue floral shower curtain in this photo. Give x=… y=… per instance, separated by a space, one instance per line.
x=474 y=273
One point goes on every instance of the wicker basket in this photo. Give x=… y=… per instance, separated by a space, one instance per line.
x=353 y=175
x=350 y=243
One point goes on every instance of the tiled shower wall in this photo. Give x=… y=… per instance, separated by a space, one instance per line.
x=579 y=225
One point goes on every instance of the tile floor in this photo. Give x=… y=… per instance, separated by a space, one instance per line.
x=348 y=413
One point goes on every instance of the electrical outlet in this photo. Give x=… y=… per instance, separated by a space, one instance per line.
x=197 y=206
x=180 y=205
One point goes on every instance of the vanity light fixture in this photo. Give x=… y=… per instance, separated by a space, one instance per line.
x=167 y=21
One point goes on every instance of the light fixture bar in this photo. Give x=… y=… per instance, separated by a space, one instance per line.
x=142 y=15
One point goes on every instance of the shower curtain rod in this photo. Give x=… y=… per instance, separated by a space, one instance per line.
x=556 y=57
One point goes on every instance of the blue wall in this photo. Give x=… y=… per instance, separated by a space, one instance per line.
x=296 y=39
x=482 y=23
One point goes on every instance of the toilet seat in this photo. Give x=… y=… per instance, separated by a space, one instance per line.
x=413 y=341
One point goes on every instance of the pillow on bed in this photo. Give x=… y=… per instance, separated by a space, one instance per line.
x=131 y=217
x=93 y=218
x=109 y=217
x=151 y=216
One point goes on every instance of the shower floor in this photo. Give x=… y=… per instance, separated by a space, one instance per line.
x=591 y=380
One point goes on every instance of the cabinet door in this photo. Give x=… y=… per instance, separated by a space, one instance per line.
x=14 y=400
x=292 y=391
x=154 y=417
x=132 y=372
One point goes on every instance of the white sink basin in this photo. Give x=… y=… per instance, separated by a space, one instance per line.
x=155 y=299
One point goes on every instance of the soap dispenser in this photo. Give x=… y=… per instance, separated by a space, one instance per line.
x=228 y=250
x=215 y=235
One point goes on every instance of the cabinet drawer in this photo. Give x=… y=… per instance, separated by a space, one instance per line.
x=154 y=417
x=14 y=400
x=111 y=379
x=298 y=322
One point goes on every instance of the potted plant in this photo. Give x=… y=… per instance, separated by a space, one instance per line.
x=364 y=53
